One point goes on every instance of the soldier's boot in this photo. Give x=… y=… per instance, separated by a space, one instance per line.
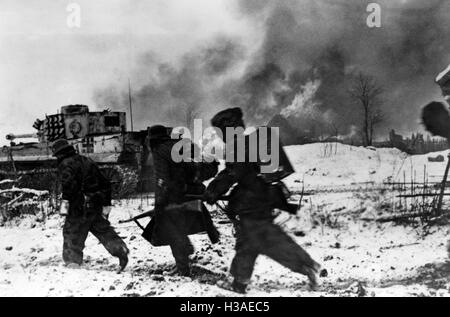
x=181 y=271
x=172 y=271
x=313 y=280
x=181 y=249
x=233 y=286
x=239 y=287
x=123 y=259
x=183 y=268
x=186 y=272
x=108 y=237
x=73 y=266
x=313 y=274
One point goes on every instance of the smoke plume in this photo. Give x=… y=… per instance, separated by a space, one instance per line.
x=310 y=52
x=175 y=94
x=326 y=40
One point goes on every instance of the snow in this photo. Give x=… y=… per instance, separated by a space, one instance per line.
x=24 y=191
x=333 y=165
x=382 y=259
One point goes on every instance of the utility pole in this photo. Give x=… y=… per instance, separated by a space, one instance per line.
x=131 y=107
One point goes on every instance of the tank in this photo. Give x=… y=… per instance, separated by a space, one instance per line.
x=102 y=136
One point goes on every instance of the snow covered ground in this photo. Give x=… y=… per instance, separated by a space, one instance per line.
x=362 y=258
x=328 y=165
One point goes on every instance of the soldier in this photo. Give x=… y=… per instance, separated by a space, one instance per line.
x=86 y=195
x=250 y=209
x=174 y=181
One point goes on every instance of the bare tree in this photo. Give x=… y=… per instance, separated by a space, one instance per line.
x=335 y=134
x=367 y=93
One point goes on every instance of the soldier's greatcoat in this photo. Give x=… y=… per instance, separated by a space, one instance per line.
x=87 y=191
x=250 y=208
x=174 y=180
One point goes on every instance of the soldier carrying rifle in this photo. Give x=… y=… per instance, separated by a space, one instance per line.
x=250 y=207
x=175 y=181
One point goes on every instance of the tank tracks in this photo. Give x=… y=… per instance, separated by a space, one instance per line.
x=124 y=179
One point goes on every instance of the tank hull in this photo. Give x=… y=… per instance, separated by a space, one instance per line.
x=123 y=156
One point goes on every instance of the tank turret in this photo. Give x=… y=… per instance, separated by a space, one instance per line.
x=76 y=121
x=100 y=135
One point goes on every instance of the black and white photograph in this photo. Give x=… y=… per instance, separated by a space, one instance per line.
x=243 y=150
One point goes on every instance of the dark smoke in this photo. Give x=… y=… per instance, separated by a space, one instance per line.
x=175 y=94
x=304 y=41
x=330 y=41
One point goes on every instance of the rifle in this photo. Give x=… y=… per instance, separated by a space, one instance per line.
x=200 y=197
x=150 y=213
x=280 y=202
x=192 y=205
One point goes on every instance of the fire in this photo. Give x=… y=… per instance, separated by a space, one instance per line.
x=304 y=101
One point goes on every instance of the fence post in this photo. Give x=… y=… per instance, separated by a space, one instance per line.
x=444 y=181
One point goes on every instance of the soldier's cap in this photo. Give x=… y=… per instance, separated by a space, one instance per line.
x=158 y=132
x=60 y=145
x=231 y=117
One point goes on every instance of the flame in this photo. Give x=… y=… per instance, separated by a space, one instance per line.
x=304 y=101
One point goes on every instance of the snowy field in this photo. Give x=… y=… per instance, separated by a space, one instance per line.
x=363 y=258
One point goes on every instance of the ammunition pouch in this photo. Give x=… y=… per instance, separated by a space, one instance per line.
x=93 y=201
x=279 y=195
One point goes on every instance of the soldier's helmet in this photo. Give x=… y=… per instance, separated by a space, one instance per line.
x=60 y=146
x=232 y=117
x=158 y=132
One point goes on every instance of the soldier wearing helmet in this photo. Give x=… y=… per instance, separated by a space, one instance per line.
x=250 y=208
x=86 y=195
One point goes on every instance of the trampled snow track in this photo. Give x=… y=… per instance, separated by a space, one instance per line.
x=379 y=259
x=362 y=258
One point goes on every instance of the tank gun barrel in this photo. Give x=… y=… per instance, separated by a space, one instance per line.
x=12 y=136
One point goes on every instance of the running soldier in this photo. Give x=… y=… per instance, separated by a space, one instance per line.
x=86 y=195
x=175 y=181
x=250 y=209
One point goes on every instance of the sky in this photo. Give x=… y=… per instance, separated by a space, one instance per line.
x=45 y=64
